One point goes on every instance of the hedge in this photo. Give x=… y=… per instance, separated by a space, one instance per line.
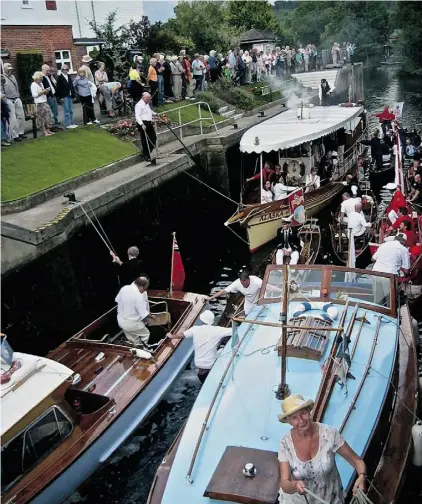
x=26 y=64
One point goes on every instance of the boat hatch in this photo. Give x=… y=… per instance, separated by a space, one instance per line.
x=306 y=343
x=331 y=284
x=229 y=483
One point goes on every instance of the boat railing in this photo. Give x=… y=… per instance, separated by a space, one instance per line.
x=200 y=119
x=349 y=157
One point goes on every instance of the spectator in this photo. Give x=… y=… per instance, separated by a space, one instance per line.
x=50 y=82
x=135 y=85
x=212 y=61
x=198 y=69
x=144 y=119
x=159 y=67
x=101 y=80
x=39 y=93
x=84 y=89
x=153 y=81
x=5 y=124
x=231 y=60
x=85 y=60
x=176 y=75
x=10 y=91
x=66 y=93
x=168 y=91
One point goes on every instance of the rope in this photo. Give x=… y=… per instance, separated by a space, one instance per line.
x=101 y=227
x=211 y=188
x=95 y=227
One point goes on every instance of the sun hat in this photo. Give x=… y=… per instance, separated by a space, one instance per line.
x=7 y=66
x=86 y=59
x=293 y=403
x=207 y=317
x=390 y=186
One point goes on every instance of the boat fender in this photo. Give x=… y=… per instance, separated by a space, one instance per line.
x=415 y=332
x=330 y=314
x=142 y=354
x=417 y=444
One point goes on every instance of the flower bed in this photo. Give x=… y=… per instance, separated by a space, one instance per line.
x=125 y=129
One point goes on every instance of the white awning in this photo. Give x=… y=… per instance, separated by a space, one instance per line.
x=285 y=130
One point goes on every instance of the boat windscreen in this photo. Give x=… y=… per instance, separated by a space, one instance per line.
x=329 y=283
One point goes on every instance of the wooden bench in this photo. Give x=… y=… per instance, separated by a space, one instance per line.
x=30 y=110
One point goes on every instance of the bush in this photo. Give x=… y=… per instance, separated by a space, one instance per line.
x=236 y=96
x=26 y=64
x=210 y=98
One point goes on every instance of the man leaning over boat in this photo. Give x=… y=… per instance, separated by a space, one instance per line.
x=133 y=311
x=206 y=341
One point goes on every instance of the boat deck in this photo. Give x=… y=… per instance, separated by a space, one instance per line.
x=247 y=416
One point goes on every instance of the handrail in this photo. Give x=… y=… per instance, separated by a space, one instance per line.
x=199 y=119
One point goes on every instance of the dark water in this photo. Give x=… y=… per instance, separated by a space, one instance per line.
x=49 y=300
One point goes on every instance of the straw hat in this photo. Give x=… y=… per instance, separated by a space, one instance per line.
x=207 y=317
x=293 y=403
x=391 y=186
x=86 y=59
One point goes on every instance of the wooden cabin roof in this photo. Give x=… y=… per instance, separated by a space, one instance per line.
x=29 y=385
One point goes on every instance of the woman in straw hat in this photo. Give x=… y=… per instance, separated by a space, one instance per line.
x=307 y=457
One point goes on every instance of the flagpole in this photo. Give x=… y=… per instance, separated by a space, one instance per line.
x=172 y=263
x=283 y=389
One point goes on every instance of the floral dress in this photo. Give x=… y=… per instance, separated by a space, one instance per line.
x=319 y=474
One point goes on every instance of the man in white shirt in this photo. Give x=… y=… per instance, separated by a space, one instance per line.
x=144 y=116
x=248 y=285
x=347 y=207
x=133 y=311
x=357 y=222
x=392 y=257
x=206 y=340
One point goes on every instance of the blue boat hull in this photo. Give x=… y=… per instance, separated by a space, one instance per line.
x=119 y=430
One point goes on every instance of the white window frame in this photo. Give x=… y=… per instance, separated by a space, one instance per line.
x=62 y=60
x=26 y=5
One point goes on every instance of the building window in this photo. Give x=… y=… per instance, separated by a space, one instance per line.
x=26 y=4
x=50 y=5
x=63 y=57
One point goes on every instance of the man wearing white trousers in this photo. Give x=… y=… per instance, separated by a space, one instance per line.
x=10 y=89
x=133 y=311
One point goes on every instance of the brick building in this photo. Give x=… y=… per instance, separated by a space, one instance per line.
x=59 y=29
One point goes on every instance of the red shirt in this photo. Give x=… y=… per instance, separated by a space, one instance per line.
x=401 y=219
x=266 y=175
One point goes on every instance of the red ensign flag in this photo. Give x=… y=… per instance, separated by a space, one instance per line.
x=178 y=271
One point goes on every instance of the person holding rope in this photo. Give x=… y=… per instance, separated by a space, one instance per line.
x=307 y=457
x=131 y=269
x=144 y=120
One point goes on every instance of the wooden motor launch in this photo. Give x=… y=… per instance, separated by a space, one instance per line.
x=291 y=139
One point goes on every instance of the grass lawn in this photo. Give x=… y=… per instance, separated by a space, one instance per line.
x=187 y=114
x=31 y=166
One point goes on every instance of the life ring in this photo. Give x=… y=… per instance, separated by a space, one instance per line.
x=330 y=314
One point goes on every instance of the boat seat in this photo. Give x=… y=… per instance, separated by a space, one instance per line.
x=161 y=319
x=228 y=482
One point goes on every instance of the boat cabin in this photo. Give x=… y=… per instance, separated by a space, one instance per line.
x=297 y=139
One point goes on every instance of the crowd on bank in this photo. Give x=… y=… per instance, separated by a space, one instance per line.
x=167 y=78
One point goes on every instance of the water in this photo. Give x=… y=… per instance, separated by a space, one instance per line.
x=50 y=299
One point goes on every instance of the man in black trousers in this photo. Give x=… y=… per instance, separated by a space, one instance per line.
x=144 y=119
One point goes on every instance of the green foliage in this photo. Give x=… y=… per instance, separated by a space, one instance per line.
x=258 y=14
x=408 y=17
x=26 y=64
x=236 y=96
x=366 y=24
x=210 y=98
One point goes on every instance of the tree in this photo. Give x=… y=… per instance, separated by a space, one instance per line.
x=408 y=18
x=252 y=13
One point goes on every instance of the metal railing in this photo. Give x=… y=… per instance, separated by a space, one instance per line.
x=199 y=119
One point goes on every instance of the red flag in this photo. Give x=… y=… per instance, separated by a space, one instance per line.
x=397 y=201
x=297 y=207
x=177 y=269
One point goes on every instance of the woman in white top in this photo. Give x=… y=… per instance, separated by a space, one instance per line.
x=266 y=194
x=313 y=181
x=281 y=190
x=44 y=116
x=307 y=457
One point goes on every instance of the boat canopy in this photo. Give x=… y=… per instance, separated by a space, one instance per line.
x=33 y=382
x=286 y=130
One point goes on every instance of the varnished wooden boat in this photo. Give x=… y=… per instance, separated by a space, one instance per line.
x=81 y=402
x=340 y=238
x=375 y=416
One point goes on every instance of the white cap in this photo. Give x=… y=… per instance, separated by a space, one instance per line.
x=207 y=317
x=390 y=186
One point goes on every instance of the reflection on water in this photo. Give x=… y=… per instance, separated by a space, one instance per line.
x=127 y=476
